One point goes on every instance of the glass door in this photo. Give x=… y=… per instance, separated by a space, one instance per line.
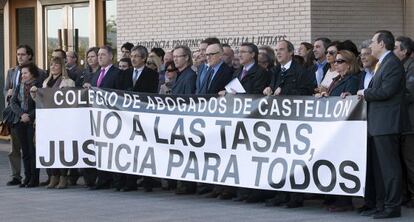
x=67 y=28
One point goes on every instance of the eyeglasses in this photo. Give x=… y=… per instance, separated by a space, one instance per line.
x=178 y=56
x=331 y=53
x=241 y=52
x=151 y=64
x=211 y=54
x=340 y=61
x=171 y=70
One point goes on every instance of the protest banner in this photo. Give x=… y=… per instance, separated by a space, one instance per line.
x=296 y=143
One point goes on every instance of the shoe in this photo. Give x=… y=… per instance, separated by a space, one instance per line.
x=25 y=182
x=340 y=208
x=147 y=189
x=369 y=212
x=293 y=204
x=183 y=190
x=127 y=189
x=225 y=195
x=54 y=181
x=410 y=204
x=63 y=182
x=14 y=182
x=73 y=180
x=254 y=198
x=275 y=202
x=33 y=183
x=204 y=190
x=45 y=183
x=387 y=213
x=240 y=198
x=212 y=194
x=363 y=208
x=101 y=186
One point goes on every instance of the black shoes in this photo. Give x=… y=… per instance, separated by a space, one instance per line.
x=293 y=204
x=387 y=213
x=14 y=182
x=274 y=202
x=369 y=212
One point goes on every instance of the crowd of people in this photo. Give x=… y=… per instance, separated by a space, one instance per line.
x=380 y=70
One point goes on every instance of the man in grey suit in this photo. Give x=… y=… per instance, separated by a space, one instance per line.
x=24 y=56
x=185 y=82
x=384 y=96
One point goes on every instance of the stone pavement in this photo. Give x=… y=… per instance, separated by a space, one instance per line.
x=80 y=204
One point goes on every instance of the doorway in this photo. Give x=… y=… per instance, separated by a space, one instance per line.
x=67 y=27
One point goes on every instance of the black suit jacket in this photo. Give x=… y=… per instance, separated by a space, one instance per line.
x=76 y=75
x=294 y=81
x=147 y=81
x=409 y=94
x=185 y=83
x=314 y=68
x=348 y=84
x=222 y=77
x=362 y=80
x=111 y=79
x=385 y=96
x=255 y=81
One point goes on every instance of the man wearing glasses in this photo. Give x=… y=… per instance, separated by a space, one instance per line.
x=218 y=74
x=138 y=79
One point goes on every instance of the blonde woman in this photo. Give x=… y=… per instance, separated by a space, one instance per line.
x=58 y=78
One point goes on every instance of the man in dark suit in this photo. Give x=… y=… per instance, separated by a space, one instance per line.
x=403 y=50
x=321 y=67
x=384 y=97
x=138 y=79
x=202 y=68
x=107 y=77
x=292 y=79
x=218 y=73
x=252 y=77
x=24 y=56
x=228 y=56
x=74 y=70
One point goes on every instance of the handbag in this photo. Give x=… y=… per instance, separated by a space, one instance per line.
x=4 y=129
x=9 y=117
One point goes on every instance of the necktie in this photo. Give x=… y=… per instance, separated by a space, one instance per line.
x=243 y=74
x=206 y=82
x=135 y=76
x=100 y=78
x=376 y=67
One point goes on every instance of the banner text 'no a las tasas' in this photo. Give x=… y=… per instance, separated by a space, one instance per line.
x=297 y=144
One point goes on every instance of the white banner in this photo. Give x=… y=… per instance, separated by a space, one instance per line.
x=286 y=154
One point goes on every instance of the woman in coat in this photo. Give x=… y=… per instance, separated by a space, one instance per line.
x=23 y=107
x=58 y=78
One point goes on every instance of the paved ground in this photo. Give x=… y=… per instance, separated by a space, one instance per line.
x=80 y=204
